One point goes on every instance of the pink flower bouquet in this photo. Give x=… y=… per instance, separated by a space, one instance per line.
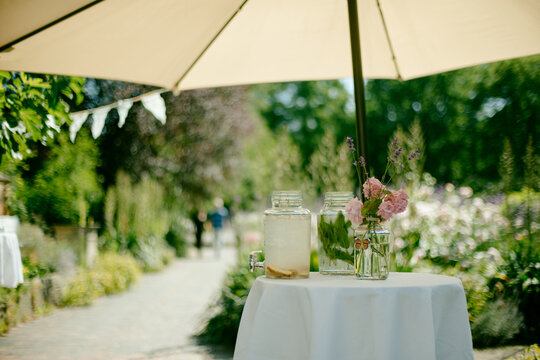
x=377 y=202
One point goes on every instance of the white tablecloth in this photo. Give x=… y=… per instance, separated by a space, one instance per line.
x=11 y=273
x=409 y=316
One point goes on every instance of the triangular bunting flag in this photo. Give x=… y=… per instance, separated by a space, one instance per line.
x=51 y=122
x=98 y=121
x=156 y=105
x=123 y=108
x=77 y=120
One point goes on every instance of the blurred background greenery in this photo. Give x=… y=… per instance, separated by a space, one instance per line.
x=475 y=197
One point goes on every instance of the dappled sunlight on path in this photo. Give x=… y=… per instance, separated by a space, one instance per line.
x=153 y=320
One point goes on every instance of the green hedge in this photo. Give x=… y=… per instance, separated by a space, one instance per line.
x=112 y=273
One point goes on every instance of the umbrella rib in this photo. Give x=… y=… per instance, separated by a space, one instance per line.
x=46 y=26
x=394 y=60
x=177 y=84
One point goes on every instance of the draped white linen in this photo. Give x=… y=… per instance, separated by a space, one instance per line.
x=407 y=316
x=11 y=273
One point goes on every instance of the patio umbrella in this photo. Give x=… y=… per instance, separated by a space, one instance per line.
x=187 y=44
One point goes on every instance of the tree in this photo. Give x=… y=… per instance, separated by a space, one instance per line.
x=66 y=186
x=195 y=154
x=33 y=108
x=331 y=166
x=465 y=116
x=269 y=162
x=306 y=109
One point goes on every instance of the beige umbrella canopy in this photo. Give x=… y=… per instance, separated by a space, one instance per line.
x=206 y=43
x=187 y=44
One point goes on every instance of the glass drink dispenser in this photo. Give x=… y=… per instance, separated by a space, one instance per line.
x=287 y=237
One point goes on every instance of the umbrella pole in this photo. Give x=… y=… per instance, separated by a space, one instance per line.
x=358 y=80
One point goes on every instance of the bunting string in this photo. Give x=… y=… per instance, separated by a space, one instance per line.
x=152 y=101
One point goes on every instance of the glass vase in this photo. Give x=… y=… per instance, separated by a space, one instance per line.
x=371 y=251
x=335 y=235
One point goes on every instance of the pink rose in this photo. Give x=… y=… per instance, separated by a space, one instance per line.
x=354 y=210
x=386 y=210
x=400 y=200
x=372 y=188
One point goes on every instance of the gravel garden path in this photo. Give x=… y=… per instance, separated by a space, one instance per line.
x=154 y=320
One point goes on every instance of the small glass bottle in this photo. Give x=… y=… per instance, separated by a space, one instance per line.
x=336 y=235
x=287 y=236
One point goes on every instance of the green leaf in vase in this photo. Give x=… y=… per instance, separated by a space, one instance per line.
x=335 y=240
x=371 y=207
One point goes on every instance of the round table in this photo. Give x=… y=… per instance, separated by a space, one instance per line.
x=408 y=316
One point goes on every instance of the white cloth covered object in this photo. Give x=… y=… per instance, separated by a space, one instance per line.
x=11 y=273
x=408 y=316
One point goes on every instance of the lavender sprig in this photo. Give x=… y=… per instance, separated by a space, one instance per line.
x=358 y=163
x=394 y=144
x=394 y=155
x=350 y=143
x=413 y=154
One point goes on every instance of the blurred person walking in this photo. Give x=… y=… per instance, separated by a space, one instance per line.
x=218 y=217
x=198 y=217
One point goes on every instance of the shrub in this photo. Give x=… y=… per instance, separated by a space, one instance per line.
x=498 y=324
x=224 y=320
x=116 y=272
x=67 y=185
x=152 y=253
x=176 y=238
x=112 y=273
x=41 y=254
x=530 y=353
x=137 y=222
x=449 y=229
x=492 y=247
x=83 y=289
x=8 y=308
x=518 y=279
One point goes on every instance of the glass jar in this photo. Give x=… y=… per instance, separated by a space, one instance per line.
x=372 y=251
x=287 y=236
x=335 y=235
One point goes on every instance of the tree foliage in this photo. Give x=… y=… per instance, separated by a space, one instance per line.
x=331 y=166
x=66 y=186
x=32 y=109
x=306 y=110
x=270 y=162
x=464 y=115
x=194 y=155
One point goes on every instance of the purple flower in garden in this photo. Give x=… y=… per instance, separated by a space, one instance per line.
x=394 y=144
x=362 y=161
x=398 y=152
x=413 y=154
x=391 y=159
x=350 y=142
